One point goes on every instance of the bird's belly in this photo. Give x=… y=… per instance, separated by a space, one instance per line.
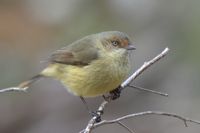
x=82 y=88
x=90 y=82
x=95 y=79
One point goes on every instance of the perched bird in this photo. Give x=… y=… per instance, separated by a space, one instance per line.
x=91 y=66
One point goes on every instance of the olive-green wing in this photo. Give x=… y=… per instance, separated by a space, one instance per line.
x=81 y=52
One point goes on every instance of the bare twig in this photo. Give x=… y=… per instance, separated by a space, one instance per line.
x=125 y=127
x=144 y=67
x=93 y=120
x=184 y=119
x=13 y=89
x=148 y=90
x=126 y=83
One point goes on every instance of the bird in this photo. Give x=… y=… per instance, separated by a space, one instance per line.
x=90 y=67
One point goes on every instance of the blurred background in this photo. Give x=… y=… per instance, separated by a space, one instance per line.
x=31 y=29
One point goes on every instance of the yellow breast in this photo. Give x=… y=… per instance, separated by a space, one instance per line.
x=97 y=78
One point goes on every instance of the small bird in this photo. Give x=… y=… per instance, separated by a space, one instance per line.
x=91 y=66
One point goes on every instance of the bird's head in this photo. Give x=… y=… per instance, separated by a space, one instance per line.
x=115 y=41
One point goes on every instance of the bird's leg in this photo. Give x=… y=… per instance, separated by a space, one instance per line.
x=106 y=98
x=85 y=103
x=97 y=114
x=115 y=94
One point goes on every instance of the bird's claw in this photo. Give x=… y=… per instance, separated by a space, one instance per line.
x=115 y=94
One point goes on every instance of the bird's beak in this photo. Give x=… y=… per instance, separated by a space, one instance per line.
x=130 y=47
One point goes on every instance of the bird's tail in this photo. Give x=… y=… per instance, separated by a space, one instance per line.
x=24 y=85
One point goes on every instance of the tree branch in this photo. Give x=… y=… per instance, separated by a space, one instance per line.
x=13 y=89
x=148 y=90
x=93 y=120
x=146 y=65
x=125 y=127
x=184 y=119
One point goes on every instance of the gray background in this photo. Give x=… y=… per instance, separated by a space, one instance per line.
x=31 y=29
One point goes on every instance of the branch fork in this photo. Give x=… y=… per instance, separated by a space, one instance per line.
x=92 y=123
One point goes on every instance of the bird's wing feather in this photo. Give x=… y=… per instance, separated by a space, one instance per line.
x=81 y=52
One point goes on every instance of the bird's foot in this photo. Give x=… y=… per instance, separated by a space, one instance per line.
x=115 y=94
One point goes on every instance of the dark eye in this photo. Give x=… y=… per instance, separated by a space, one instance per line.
x=115 y=43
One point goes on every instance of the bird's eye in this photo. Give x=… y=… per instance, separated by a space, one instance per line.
x=115 y=43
